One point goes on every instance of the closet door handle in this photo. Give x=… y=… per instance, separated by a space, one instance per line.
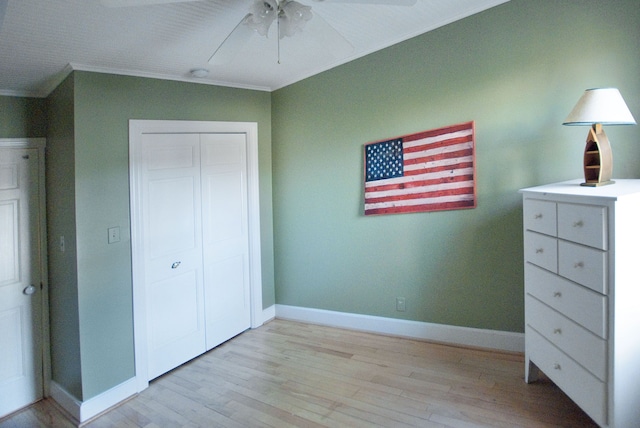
x=175 y=265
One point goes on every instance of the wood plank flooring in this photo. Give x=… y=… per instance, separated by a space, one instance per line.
x=288 y=374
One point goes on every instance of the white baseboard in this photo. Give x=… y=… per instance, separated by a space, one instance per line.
x=449 y=334
x=268 y=314
x=82 y=411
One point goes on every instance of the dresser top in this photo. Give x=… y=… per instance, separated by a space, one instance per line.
x=620 y=188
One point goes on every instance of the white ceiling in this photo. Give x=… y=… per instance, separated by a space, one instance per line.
x=42 y=40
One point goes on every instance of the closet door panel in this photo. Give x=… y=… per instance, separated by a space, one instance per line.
x=225 y=236
x=173 y=250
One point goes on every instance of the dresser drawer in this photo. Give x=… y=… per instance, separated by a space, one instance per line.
x=584 y=224
x=541 y=250
x=540 y=216
x=585 y=307
x=583 y=346
x=580 y=385
x=584 y=265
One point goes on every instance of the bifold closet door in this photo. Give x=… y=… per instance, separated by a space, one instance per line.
x=225 y=236
x=172 y=229
x=196 y=244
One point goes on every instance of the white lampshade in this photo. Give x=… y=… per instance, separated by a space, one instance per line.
x=601 y=105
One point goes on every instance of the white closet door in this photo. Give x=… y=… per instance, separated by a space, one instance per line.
x=172 y=250
x=196 y=244
x=225 y=236
x=20 y=295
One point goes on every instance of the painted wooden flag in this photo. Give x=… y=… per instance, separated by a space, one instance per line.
x=428 y=171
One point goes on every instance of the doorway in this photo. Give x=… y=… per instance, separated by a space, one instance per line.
x=23 y=278
x=195 y=239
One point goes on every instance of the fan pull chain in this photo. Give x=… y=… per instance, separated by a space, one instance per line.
x=278 y=36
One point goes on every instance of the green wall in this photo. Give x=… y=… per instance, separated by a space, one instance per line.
x=61 y=222
x=22 y=117
x=101 y=107
x=516 y=70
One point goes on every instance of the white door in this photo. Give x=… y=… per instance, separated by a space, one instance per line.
x=171 y=206
x=21 y=375
x=225 y=236
x=196 y=247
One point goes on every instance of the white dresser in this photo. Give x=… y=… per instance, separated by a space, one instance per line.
x=582 y=295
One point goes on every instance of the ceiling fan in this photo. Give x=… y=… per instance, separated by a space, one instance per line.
x=289 y=17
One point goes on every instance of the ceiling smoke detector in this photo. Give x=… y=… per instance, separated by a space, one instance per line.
x=199 y=73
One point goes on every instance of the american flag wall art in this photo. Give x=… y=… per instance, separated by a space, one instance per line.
x=428 y=171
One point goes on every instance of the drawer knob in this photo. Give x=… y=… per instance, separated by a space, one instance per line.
x=557 y=294
x=537 y=216
x=578 y=223
x=578 y=265
x=556 y=366
x=557 y=331
x=539 y=250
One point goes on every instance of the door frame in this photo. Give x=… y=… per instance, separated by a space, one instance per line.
x=39 y=144
x=137 y=128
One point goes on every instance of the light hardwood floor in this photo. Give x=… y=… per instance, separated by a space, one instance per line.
x=288 y=374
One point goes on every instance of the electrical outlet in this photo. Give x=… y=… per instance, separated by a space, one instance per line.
x=114 y=234
x=400 y=304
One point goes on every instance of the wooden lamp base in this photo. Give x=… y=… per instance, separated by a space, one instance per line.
x=598 y=158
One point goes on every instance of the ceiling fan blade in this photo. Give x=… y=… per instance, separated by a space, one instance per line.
x=340 y=46
x=127 y=3
x=385 y=2
x=233 y=43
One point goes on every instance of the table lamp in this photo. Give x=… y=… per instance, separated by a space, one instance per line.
x=597 y=107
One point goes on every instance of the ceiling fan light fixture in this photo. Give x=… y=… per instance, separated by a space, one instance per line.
x=293 y=17
x=261 y=15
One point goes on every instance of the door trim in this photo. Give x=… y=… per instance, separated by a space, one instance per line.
x=137 y=128
x=39 y=144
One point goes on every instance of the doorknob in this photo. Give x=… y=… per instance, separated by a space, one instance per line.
x=175 y=265
x=29 y=290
